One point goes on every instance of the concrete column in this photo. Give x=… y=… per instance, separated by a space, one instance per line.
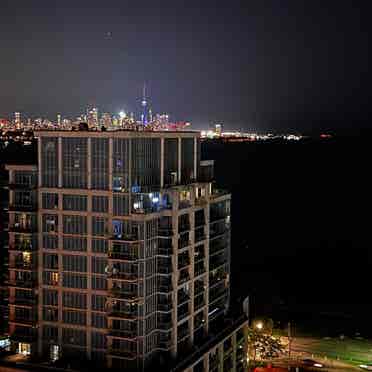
x=192 y=273
x=179 y=159
x=195 y=158
x=40 y=274
x=59 y=162
x=162 y=162
x=89 y=165
x=89 y=276
x=220 y=357
x=234 y=350
x=39 y=161
x=206 y=263
x=60 y=266
x=174 y=278
x=110 y=157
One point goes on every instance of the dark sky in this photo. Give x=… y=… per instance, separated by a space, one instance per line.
x=252 y=64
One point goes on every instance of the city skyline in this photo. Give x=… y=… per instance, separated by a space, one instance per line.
x=255 y=66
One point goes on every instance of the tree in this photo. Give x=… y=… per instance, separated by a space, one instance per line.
x=263 y=346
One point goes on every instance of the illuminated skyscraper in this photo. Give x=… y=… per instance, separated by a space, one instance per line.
x=218 y=130
x=17 y=119
x=92 y=118
x=145 y=117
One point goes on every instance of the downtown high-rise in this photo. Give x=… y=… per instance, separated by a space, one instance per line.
x=119 y=252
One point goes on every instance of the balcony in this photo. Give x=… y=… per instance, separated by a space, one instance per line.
x=123 y=333
x=202 y=200
x=26 y=334
x=199 y=269
x=23 y=228
x=128 y=238
x=165 y=287
x=199 y=234
x=199 y=256
x=125 y=295
x=214 y=233
x=165 y=344
x=22 y=186
x=121 y=314
x=165 y=269
x=23 y=283
x=183 y=204
x=214 y=295
x=24 y=321
x=22 y=246
x=22 y=265
x=182 y=297
x=23 y=207
x=183 y=243
x=198 y=288
x=167 y=232
x=122 y=256
x=182 y=228
x=199 y=302
x=165 y=247
x=128 y=277
x=125 y=354
x=184 y=277
x=165 y=306
x=217 y=248
x=165 y=324
x=216 y=193
x=182 y=333
x=183 y=263
x=23 y=301
x=165 y=251
x=218 y=277
x=217 y=261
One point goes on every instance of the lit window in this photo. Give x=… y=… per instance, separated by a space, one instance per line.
x=54 y=278
x=26 y=258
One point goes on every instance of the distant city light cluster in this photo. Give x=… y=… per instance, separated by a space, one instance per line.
x=238 y=136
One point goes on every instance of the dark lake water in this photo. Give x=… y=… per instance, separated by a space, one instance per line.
x=301 y=231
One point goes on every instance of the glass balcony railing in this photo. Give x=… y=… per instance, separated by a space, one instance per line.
x=119 y=275
x=165 y=287
x=165 y=306
x=23 y=228
x=120 y=313
x=165 y=231
x=122 y=294
x=183 y=243
x=28 y=283
x=24 y=301
x=184 y=277
x=23 y=207
x=126 y=354
x=122 y=256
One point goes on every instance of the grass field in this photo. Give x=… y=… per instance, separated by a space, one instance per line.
x=355 y=351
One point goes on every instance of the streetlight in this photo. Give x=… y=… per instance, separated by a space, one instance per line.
x=259 y=325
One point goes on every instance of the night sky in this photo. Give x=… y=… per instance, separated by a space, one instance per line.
x=274 y=65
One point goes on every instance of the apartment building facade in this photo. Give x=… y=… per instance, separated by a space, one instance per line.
x=119 y=250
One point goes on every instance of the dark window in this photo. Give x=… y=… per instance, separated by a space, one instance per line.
x=99 y=163
x=100 y=204
x=74 y=202
x=50 y=200
x=74 y=154
x=49 y=162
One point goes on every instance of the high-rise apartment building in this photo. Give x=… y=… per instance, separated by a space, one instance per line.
x=119 y=251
